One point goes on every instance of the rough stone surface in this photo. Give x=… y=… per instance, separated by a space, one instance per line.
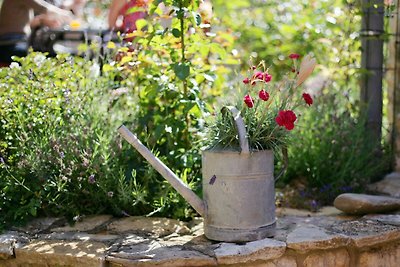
x=388 y=256
x=265 y=249
x=88 y=223
x=327 y=238
x=285 y=261
x=71 y=236
x=390 y=185
x=155 y=255
x=155 y=226
x=365 y=204
x=309 y=237
x=40 y=225
x=366 y=233
x=59 y=253
x=337 y=258
x=6 y=248
x=392 y=219
x=9 y=241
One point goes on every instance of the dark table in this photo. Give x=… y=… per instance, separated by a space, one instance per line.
x=55 y=41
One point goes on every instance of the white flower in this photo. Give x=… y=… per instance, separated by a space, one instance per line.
x=94 y=70
x=14 y=65
x=307 y=66
x=39 y=59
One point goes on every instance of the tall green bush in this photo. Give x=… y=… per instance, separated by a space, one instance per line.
x=330 y=152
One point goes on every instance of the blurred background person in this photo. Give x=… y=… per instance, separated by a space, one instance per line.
x=16 y=19
x=122 y=15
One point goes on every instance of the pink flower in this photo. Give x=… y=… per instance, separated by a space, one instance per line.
x=246 y=80
x=267 y=77
x=308 y=99
x=259 y=75
x=294 y=56
x=286 y=118
x=263 y=95
x=248 y=101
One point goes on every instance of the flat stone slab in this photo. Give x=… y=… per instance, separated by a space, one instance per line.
x=155 y=226
x=392 y=219
x=60 y=253
x=303 y=239
x=87 y=224
x=40 y=225
x=310 y=237
x=9 y=241
x=390 y=185
x=265 y=249
x=359 y=204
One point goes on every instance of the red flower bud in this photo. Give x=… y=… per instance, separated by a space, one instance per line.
x=294 y=56
x=246 y=80
x=259 y=75
x=263 y=95
x=248 y=101
x=286 y=118
x=267 y=77
x=308 y=99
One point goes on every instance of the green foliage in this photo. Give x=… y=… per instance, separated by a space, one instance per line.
x=332 y=153
x=337 y=154
x=59 y=151
x=171 y=70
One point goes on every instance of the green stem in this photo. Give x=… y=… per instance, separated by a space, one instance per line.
x=183 y=61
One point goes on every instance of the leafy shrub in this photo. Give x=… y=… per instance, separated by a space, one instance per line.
x=60 y=151
x=332 y=154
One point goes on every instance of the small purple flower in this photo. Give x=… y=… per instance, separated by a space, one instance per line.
x=2 y=160
x=110 y=193
x=62 y=155
x=91 y=179
x=346 y=188
x=314 y=204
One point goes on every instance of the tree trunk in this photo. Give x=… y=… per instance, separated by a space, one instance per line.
x=393 y=82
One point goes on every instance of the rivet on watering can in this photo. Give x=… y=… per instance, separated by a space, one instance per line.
x=212 y=180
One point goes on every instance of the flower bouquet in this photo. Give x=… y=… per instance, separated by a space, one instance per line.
x=268 y=107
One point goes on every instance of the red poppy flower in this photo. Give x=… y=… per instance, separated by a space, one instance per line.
x=286 y=118
x=246 y=80
x=248 y=101
x=263 y=95
x=308 y=99
x=294 y=56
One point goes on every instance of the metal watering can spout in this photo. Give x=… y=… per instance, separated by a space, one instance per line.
x=196 y=202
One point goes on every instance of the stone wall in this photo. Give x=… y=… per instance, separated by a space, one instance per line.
x=303 y=240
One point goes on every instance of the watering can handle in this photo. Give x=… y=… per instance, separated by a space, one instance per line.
x=243 y=141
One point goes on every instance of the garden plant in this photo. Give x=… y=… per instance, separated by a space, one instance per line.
x=60 y=154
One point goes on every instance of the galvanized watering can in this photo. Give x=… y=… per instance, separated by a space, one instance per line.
x=238 y=188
